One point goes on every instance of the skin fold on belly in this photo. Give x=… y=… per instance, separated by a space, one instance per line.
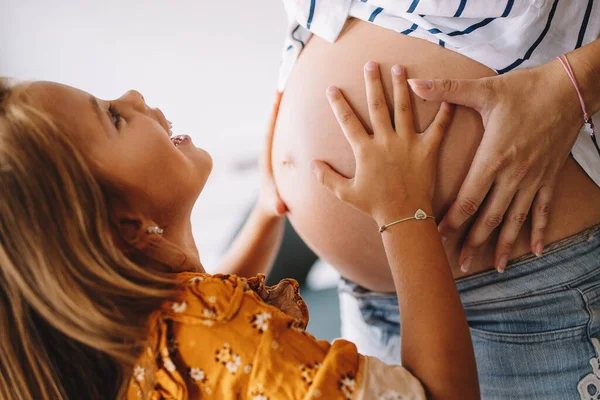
x=306 y=129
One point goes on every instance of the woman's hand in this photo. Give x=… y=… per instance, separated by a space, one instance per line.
x=269 y=200
x=532 y=118
x=395 y=168
x=255 y=247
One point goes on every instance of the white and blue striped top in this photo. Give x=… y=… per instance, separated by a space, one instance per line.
x=501 y=34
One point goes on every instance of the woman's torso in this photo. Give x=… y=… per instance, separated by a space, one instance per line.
x=306 y=129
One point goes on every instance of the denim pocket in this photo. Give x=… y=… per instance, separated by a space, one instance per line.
x=382 y=313
x=537 y=317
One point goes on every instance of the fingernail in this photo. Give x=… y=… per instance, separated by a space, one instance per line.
x=420 y=84
x=502 y=263
x=466 y=264
x=371 y=66
x=539 y=249
x=444 y=239
x=397 y=70
x=332 y=90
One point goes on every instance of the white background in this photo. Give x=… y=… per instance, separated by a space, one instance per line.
x=211 y=66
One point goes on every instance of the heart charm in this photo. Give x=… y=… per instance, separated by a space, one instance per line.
x=420 y=214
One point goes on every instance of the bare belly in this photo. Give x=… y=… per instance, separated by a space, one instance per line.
x=306 y=129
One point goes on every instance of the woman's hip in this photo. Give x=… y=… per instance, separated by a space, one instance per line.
x=534 y=328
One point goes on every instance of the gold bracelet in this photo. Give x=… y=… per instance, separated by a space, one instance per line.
x=420 y=214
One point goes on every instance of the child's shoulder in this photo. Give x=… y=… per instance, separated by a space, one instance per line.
x=222 y=296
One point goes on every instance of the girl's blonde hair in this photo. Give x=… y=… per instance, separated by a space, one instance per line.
x=77 y=283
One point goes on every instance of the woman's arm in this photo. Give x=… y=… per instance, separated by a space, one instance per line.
x=532 y=118
x=395 y=175
x=255 y=247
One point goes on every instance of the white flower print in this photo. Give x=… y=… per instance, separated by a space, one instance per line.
x=168 y=364
x=233 y=365
x=212 y=299
x=308 y=372
x=260 y=321
x=347 y=385
x=275 y=345
x=297 y=325
x=228 y=358
x=208 y=322
x=197 y=374
x=179 y=307
x=196 y=279
x=258 y=393
x=200 y=378
x=316 y=393
x=349 y=382
x=248 y=369
x=139 y=373
x=208 y=313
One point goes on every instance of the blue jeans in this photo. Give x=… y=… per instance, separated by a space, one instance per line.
x=535 y=328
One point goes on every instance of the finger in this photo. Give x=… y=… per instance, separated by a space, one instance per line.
x=378 y=110
x=266 y=159
x=539 y=218
x=435 y=132
x=513 y=223
x=276 y=203
x=472 y=93
x=331 y=179
x=475 y=187
x=487 y=221
x=347 y=119
x=403 y=117
x=280 y=207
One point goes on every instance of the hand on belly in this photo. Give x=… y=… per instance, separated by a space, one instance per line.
x=306 y=130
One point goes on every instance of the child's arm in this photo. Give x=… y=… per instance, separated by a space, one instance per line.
x=256 y=245
x=395 y=175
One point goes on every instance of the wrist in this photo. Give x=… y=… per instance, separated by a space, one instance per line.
x=554 y=76
x=588 y=78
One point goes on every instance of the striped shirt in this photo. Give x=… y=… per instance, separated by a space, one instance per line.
x=504 y=35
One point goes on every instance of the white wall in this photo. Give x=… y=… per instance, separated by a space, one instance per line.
x=211 y=66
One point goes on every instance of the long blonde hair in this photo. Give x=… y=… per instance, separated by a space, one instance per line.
x=75 y=292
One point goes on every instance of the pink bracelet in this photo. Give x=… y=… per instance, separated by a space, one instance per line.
x=589 y=124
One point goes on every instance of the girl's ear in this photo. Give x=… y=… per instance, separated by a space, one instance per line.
x=131 y=235
x=126 y=226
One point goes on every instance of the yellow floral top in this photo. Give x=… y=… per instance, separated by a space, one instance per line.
x=235 y=338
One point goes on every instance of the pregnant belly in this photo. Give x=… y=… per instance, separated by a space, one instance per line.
x=306 y=129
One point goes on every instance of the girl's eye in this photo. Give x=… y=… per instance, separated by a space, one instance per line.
x=116 y=117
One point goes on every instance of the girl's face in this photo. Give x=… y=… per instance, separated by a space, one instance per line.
x=130 y=146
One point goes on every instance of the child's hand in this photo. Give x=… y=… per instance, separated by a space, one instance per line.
x=269 y=201
x=395 y=169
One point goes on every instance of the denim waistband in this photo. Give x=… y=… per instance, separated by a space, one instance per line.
x=565 y=262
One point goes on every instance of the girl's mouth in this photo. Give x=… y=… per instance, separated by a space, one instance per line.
x=180 y=139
